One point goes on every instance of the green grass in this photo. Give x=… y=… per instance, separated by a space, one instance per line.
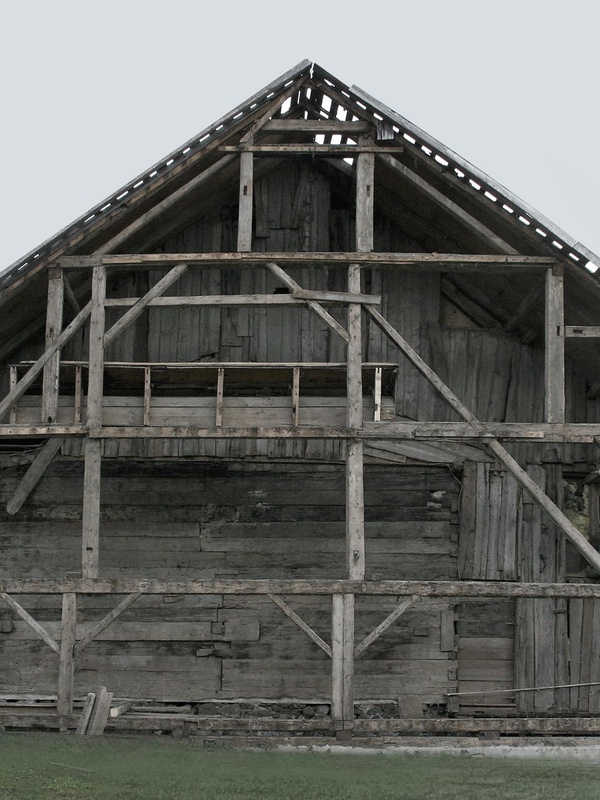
x=72 y=768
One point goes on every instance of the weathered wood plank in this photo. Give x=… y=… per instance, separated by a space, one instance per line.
x=246 y=195
x=33 y=624
x=383 y=626
x=66 y=667
x=54 y=322
x=33 y=474
x=90 y=544
x=100 y=712
x=106 y=621
x=313 y=635
x=554 y=398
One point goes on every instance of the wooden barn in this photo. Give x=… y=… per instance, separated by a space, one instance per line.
x=299 y=433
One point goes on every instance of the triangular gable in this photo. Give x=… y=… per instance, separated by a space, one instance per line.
x=320 y=96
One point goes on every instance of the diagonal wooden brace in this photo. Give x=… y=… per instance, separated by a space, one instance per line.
x=312 y=304
x=33 y=624
x=106 y=621
x=566 y=526
x=383 y=626
x=300 y=623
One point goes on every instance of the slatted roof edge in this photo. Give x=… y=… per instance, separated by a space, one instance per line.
x=447 y=160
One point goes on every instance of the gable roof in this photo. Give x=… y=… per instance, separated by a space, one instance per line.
x=327 y=96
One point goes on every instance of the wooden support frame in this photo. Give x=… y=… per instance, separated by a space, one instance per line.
x=246 y=202
x=33 y=624
x=383 y=626
x=292 y=586
x=312 y=304
x=33 y=475
x=139 y=305
x=219 y=398
x=13 y=379
x=342 y=660
x=554 y=397
x=90 y=543
x=297 y=298
x=54 y=322
x=296 y=396
x=19 y=390
x=313 y=635
x=540 y=497
x=147 y=394
x=106 y=621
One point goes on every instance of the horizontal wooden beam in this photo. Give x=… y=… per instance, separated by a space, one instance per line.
x=299 y=297
x=582 y=331
x=376 y=431
x=329 y=150
x=317 y=126
x=299 y=587
x=444 y=262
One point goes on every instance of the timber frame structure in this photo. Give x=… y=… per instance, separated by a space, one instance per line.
x=112 y=303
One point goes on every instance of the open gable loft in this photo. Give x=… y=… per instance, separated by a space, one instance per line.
x=311 y=385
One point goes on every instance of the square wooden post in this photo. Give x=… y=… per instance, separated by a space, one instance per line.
x=93 y=447
x=554 y=402
x=66 y=669
x=246 y=195
x=54 y=322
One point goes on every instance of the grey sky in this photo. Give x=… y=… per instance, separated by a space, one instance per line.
x=95 y=93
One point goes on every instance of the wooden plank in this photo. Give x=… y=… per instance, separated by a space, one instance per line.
x=66 y=668
x=235 y=300
x=383 y=626
x=441 y=588
x=348 y=662
x=365 y=197
x=91 y=509
x=557 y=516
x=219 y=399
x=296 y=396
x=377 y=395
x=54 y=322
x=337 y=656
x=13 y=379
x=317 y=126
x=147 y=394
x=139 y=305
x=96 y=349
x=33 y=475
x=78 y=396
x=19 y=390
x=468 y=220
x=355 y=511
x=439 y=262
x=100 y=712
x=582 y=331
x=313 y=305
x=33 y=624
x=86 y=713
x=329 y=150
x=158 y=209
x=106 y=621
x=554 y=398
x=301 y=624
x=244 y=241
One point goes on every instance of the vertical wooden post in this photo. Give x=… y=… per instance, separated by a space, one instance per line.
x=337 y=659
x=147 y=394
x=296 y=396
x=90 y=546
x=54 y=321
x=554 y=405
x=219 y=401
x=66 y=663
x=246 y=194
x=93 y=448
x=96 y=349
x=13 y=380
x=77 y=398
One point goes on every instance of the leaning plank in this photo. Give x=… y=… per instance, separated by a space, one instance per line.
x=35 y=626
x=312 y=304
x=106 y=621
x=300 y=623
x=100 y=712
x=31 y=374
x=33 y=474
x=383 y=626
x=156 y=291
x=86 y=713
x=566 y=526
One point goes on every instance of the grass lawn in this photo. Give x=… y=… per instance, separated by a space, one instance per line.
x=58 y=767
